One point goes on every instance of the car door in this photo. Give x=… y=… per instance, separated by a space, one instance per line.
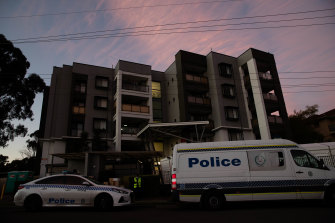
x=310 y=175
x=270 y=175
x=51 y=190
x=77 y=191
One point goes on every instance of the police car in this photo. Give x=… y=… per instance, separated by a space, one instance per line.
x=70 y=190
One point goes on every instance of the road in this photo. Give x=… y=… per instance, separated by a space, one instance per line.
x=283 y=212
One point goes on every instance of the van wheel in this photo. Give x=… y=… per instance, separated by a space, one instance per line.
x=33 y=203
x=214 y=201
x=103 y=202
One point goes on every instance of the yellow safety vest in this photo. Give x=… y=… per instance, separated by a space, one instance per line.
x=137 y=182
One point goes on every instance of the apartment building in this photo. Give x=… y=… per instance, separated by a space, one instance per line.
x=112 y=122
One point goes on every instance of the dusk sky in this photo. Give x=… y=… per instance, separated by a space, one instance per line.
x=300 y=34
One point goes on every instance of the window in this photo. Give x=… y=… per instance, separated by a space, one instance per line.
x=231 y=113
x=99 y=124
x=101 y=82
x=304 y=159
x=157 y=109
x=331 y=127
x=52 y=180
x=156 y=90
x=80 y=87
x=71 y=180
x=78 y=108
x=100 y=102
x=77 y=128
x=235 y=134
x=228 y=90
x=225 y=70
x=266 y=160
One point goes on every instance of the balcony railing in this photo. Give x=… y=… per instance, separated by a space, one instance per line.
x=129 y=130
x=198 y=79
x=199 y=100
x=135 y=108
x=134 y=87
x=271 y=97
x=275 y=119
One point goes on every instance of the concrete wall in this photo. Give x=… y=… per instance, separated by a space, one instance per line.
x=172 y=92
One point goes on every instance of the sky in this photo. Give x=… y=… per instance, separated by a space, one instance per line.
x=299 y=33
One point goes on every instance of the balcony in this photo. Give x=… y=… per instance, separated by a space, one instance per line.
x=271 y=102
x=266 y=81
x=275 y=120
x=265 y=76
x=270 y=97
x=199 y=100
x=125 y=130
x=134 y=87
x=196 y=83
x=199 y=105
x=135 y=108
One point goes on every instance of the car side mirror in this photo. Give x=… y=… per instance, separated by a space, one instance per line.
x=86 y=184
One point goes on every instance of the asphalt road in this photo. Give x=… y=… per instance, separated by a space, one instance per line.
x=283 y=212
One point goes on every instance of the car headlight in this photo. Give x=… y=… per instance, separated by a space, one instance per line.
x=119 y=191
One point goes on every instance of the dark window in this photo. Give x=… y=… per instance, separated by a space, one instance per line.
x=52 y=180
x=77 y=128
x=100 y=102
x=80 y=87
x=235 y=134
x=99 y=124
x=72 y=180
x=101 y=82
x=225 y=70
x=157 y=109
x=331 y=127
x=231 y=113
x=228 y=90
x=304 y=159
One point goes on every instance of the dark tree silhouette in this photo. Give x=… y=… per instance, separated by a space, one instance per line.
x=17 y=92
x=302 y=130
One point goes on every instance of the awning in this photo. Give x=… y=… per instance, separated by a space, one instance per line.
x=174 y=129
x=112 y=155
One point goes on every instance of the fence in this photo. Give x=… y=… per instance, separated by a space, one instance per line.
x=328 y=160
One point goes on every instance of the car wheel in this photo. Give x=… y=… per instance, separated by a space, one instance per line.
x=104 y=202
x=33 y=203
x=214 y=201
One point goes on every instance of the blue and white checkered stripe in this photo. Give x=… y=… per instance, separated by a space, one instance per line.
x=71 y=187
x=254 y=184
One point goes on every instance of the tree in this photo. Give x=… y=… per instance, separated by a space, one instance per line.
x=3 y=162
x=300 y=122
x=17 y=92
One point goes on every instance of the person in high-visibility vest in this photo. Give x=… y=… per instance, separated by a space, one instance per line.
x=137 y=182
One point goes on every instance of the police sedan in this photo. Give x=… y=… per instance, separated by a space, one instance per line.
x=70 y=190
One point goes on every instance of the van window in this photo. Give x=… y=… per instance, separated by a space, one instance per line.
x=304 y=159
x=266 y=160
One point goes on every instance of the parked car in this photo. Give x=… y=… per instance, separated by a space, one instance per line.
x=70 y=190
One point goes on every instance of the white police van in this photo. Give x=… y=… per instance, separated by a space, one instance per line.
x=214 y=172
x=70 y=190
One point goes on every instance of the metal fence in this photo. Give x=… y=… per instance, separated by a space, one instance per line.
x=328 y=160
